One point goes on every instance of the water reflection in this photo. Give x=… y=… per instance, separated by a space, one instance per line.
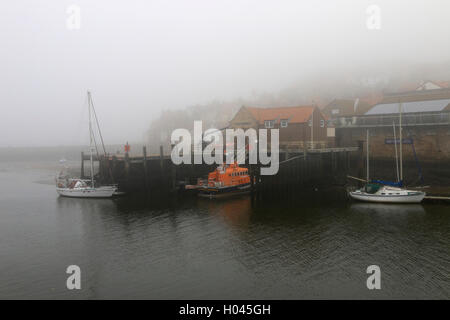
x=315 y=246
x=387 y=209
x=235 y=211
x=65 y=203
x=228 y=248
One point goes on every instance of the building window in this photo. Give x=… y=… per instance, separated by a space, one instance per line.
x=310 y=123
x=335 y=111
x=331 y=132
x=283 y=123
x=322 y=123
x=269 y=123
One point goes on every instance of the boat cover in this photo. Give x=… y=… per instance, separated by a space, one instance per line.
x=389 y=183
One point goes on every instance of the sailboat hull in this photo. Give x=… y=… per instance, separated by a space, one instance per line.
x=100 y=192
x=411 y=197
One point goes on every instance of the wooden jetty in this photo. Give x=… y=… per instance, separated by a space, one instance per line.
x=157 y=174
x=311 y=169
x=436 y=194
x=298 y=170
x=438 y=198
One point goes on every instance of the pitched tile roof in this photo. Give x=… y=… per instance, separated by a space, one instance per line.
x=442 y=84
x=346 y=107
x=299 y=114
x=412 y=86
x=372 y=98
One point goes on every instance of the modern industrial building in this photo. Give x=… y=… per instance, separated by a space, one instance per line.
x=425 y=123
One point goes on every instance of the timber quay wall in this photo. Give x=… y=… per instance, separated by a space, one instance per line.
x=298 y=169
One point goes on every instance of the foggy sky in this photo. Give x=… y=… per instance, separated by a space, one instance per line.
x=138 y=57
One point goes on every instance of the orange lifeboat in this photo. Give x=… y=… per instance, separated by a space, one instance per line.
x=226 y=180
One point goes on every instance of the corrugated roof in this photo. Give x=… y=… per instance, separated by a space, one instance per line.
x=294 y=114
x=412 y=106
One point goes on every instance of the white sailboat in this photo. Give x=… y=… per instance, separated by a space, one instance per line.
x=376 y=192
x=387 y=194
x=84 y=188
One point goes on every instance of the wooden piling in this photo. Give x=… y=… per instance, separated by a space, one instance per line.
x=173 y=172
x=144 y=162
x=162 y=170
x=347 y=161
x=127 y=166
x=161 y=157
x=258 y=182
x=113 y=167
x=333 y=160
x=173 y=177
x=252 y=180
x=361 y=159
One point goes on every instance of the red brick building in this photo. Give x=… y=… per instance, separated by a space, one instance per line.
x=299 y=127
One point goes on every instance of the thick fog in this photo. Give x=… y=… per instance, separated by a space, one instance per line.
x=141 y=57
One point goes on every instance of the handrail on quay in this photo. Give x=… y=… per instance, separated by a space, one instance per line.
x=408 y=119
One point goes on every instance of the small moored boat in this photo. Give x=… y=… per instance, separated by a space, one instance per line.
x=226 y=180
x=372 y=192
x=385 y=191
x=80 y=188
x=84 y=188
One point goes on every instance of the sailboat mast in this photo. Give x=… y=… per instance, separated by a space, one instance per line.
x=312 y=130
x=396 y=153
x=90 y=140
x=401 y=142
x=367 y=156
x=98 y=126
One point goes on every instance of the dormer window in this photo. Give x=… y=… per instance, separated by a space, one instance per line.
x=269 y=124
x=283 y=123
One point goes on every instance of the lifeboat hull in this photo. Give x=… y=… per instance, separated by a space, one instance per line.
x=222 y=192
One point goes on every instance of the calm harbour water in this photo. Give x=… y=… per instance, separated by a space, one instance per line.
x=135 y=247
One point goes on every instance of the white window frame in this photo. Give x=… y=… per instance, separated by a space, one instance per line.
x=269 y=124
x=284 y=123
x=331 y=132
x=322 y=123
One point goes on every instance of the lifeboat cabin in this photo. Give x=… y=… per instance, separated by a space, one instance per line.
x=226 y=180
